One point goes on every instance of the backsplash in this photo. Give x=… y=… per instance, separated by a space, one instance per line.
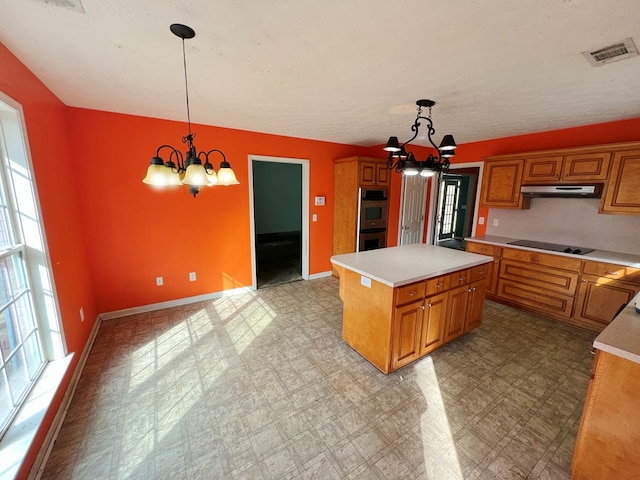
x=571 y=221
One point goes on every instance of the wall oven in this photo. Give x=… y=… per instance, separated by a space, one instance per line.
x=372 y=219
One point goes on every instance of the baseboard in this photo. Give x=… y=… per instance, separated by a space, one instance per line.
x=52 y=434
x=172 y=303
x=315 y=276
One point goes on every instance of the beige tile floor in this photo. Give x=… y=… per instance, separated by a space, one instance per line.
x=261 y=386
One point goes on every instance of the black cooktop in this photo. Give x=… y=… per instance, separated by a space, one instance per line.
x=551 y=246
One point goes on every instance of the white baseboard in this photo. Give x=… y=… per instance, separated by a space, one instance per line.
x=172 y=303
x=315 y=276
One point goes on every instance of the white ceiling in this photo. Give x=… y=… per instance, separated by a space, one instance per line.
x=346 y=71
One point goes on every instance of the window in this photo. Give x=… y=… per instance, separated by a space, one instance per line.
x=28 y=312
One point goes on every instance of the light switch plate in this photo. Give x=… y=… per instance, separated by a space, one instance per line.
x=366 y=281
x=319 y=201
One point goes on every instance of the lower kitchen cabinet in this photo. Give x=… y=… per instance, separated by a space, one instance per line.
x=609 y=434
x=434 y=323
x=493 y=268
x=475 y=305
x=407 y=329
x=465 y=309
x=599 y=299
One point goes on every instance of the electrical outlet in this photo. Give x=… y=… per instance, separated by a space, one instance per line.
x=159 y=281
x=495 y=222
x=192 y=276
x=480 y=220
x=81 y=314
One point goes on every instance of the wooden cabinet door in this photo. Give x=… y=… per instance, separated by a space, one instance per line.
x=591 y=166
x=622 y=191
x=542 y=170
x=407 y=327
x=475 y=305
x=434 y=322
x=383 y=175
x=457 y=312
x=368 y=173
x=501 y=182
x=493 y=267
x=599 y=299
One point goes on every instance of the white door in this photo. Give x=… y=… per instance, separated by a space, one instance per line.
x=414 y=197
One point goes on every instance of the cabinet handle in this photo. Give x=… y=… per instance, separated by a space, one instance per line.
x=413 y=293
x=495 y=261
x=584 y=281
x=423 y=306
x=429 y=304
x=612 y=273
x=439 y=285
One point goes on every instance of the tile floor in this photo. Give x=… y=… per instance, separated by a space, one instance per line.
x=261 y=386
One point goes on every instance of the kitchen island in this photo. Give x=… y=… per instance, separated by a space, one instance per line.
x=401 y=303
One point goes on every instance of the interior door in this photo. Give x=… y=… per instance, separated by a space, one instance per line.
x=450 y=204
x=414 y=197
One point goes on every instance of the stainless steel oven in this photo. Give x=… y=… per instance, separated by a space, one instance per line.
x=372 y=239
x=373 y=209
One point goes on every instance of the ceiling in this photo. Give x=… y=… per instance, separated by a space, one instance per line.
x=335 y=70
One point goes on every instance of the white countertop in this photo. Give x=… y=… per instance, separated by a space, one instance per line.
x=398 y=266
x=622 y=335
x=625 y=259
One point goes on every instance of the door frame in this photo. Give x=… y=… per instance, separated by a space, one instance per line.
x=305 y=213
x=434 y=199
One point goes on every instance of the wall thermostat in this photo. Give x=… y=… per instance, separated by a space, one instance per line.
x=319 y=201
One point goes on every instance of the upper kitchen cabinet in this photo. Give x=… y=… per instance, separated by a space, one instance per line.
x=501 y=182
x=616 y=166
x=374 y=172
x=586 y=167
x=622 y=191
x=542 y=170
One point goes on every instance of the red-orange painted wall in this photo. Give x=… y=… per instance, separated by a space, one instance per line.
x=46 y=124
x=136 y=233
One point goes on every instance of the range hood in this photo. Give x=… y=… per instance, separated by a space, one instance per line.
x=563 y=191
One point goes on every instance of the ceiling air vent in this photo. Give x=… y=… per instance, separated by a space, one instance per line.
x=613 y=53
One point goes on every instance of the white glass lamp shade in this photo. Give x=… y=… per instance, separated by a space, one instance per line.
x=427 y=172
x=213 y=178
x=195 y=175
x=410 y=171
x=226 y=176
x=157 y=174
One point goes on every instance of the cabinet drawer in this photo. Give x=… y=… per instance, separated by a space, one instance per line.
x=484 y=249
x=438 y=285
x=542 y=301
x=557 y=261
x=459 y=278
x=540 y=276
x=613 y=271
x=410 y=293
x=480 y=272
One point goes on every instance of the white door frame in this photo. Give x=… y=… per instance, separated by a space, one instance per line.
x=305 y=212
x=434 y=200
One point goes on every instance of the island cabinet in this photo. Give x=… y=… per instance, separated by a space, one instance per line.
x=392 y=320
x=450 y=306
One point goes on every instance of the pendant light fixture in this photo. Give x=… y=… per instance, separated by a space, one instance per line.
x=406 y=163
x=188 y=169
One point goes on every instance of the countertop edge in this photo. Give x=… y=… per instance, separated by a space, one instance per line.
x=622 y=336
x=419 y=278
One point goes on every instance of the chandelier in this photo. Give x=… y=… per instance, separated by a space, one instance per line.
x=406 y=163
x=187 y=169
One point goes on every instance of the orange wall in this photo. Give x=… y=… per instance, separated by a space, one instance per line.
x=136 y=233
x=46 y=123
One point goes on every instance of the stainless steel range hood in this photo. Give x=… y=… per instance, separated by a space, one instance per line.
x=562 y=191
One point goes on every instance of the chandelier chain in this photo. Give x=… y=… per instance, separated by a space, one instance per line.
x=186 y=87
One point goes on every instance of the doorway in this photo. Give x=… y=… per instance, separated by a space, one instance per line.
x=456 y=207
x=279 y=220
